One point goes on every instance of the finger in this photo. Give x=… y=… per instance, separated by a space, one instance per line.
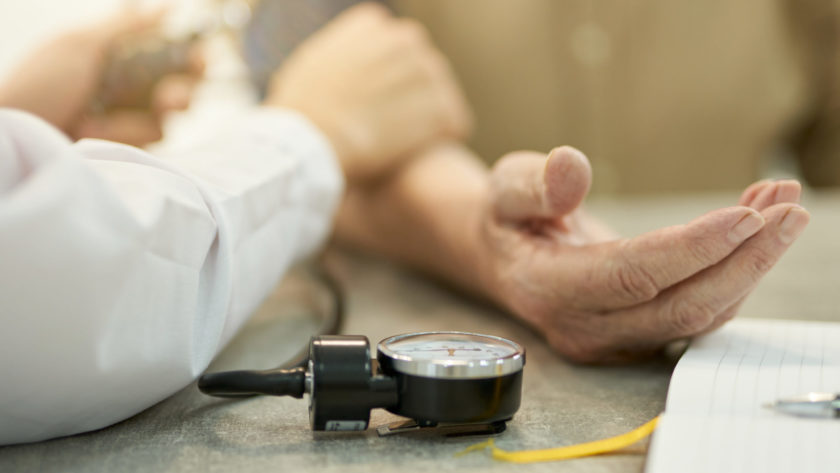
x=173 y=92
x=131 y=127
x=420 y=70
x=526 y=185
x=695 y=305
x=752 y=191
x=724 y=317
x=774 y=192
x=410 y=31
x=458 y=117
x=789 y=191
x=631 y=271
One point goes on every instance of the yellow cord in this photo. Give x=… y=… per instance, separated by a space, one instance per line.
x=572 y=451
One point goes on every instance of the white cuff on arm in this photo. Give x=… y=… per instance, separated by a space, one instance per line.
x=122 y=275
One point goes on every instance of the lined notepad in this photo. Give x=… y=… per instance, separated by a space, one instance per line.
x=714 y=417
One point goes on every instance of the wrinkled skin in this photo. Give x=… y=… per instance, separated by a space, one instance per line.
x=598 y=298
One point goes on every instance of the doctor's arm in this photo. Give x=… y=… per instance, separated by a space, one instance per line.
x=122 y=274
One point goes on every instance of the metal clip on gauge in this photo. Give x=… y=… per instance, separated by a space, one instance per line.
x=442 y=379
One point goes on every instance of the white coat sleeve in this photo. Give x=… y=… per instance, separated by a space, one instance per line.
x=122 y=275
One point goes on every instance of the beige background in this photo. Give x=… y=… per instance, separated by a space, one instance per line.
x=661 y=94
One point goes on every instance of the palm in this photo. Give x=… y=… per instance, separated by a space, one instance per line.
x=597 y=297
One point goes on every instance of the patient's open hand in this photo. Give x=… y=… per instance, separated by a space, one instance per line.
x=597 y=298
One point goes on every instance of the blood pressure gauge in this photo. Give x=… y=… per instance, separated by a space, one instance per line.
x=433 y=378
x=453 y=377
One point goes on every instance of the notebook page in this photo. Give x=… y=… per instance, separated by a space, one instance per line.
x=714 y=417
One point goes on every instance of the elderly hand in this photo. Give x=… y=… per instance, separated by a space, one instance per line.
x=59 y=80
x=376 y=86
x=601 y=299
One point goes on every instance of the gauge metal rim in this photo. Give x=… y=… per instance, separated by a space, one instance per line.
x=454 y=369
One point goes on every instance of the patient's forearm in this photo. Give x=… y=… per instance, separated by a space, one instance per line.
x=427 y=216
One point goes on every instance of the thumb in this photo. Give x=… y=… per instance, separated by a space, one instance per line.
x=527 y=185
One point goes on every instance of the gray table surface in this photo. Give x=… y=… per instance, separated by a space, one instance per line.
x=562 y=403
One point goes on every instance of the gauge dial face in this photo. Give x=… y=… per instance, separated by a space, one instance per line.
x=447 y=346
x=453 y=354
